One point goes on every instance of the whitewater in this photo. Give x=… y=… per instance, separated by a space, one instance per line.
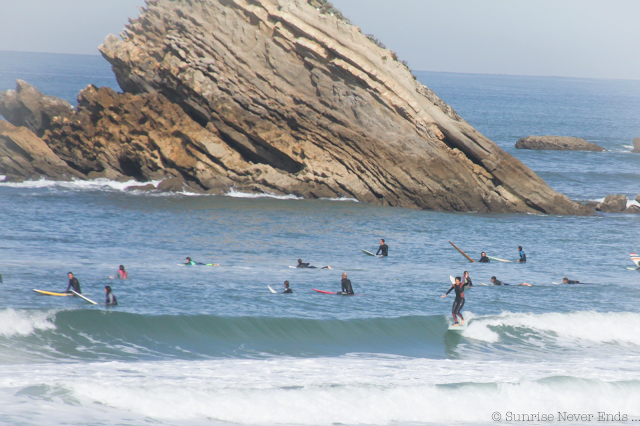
x=212 y=345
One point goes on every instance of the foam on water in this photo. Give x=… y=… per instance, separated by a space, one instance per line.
x=87 y=185
x=24 y=323
x=237 y=194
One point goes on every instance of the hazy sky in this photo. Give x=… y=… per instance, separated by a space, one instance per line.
x=574 y=38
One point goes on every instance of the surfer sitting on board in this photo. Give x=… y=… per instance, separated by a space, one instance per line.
x=287 y=289
x=347 y=289
x=496 y=281
x=74 y=284
x=383 y=248
x=458 y=303
x=121 y=274
x=566 y=280
x=306 y=265
x=484 y=258
x=466 y=279
x=111 y=298
x=523 y=257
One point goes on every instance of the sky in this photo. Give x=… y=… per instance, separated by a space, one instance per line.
x=569 y=38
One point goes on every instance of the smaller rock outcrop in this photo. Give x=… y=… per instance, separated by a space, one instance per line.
x=557 y=143
x=613 y=204
x=638 y=198
x=636 y=145
x=23 y=156
x=27 y=107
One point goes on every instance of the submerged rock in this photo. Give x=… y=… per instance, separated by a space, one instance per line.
x=557 y=143
x=613 y=204
x=288 y=100
x=23 y=156
x=27 y=107
x=636 y=145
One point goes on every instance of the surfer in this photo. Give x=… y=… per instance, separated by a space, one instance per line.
x=121 y=274
x=566 y=280
x=523 y=257
x=74 y=284
x=190 y=262
x=458 y=303
x=287 y=289
x=306 y=265
x=496 y=281
x=111 y=298
x=484 y=258
x=383 y=248
x=347 y=289
x=466 y=279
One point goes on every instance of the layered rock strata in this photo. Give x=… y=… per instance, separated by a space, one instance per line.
x=557 y=143
x=292 y=100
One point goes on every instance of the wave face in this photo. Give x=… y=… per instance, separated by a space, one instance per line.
x=98 y=335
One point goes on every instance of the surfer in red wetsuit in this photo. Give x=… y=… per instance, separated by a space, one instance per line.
x=121 y=274
x=458 y=303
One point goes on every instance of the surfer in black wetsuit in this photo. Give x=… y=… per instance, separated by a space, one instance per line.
x=111 y=298
x=523 y=257
x=458 y=303
x=287 y=289
x=74 y=284
x=496 y=281
x=383 y=248
x=484 y=258
x=566 y=280
x=466 y=279
x=306 y=265
x=347 y=289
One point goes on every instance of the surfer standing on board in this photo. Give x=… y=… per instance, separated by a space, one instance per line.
x=383 y=248
x=484 y=258
x=523 y=257
x=458 y=303
x=74 y=284
x=347 y=289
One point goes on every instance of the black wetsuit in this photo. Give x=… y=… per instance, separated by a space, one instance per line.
x=572 y=282
x=111 y=299
x=287 y=290
x=498 y=282
x=523 y=257
x=458 y=303
x=384 y=249
x=74 y=285
x=305 y=265
x=484 y=259
x=467 y=282
x=0 y=278
x=346 y=286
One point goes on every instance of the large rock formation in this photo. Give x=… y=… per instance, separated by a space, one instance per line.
x=636 y=145
x=294 y=100
x=27 y=107
x=613 y=204
x=557 y=143
x=23 y=155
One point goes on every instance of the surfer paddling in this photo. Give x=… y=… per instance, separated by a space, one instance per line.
x=111 y=298
x=523 y=257
x=347 y=289
x=458 y=303
x=383 y=250
x=484 y=258
x=496 y=281
x=121 y=274
x=308 y=266
x=566 y=280
x=190 y=262
x=74 y=284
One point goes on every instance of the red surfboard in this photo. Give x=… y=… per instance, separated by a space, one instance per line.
x=324 y=292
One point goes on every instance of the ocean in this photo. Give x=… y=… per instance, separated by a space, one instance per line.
x=213 y=346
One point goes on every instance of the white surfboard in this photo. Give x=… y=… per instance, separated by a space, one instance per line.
x=272 y=290
x=486 y=285
x=368 y=252
x=459 y=327
x=452 y=279
x=500 y=260
x=85 y=298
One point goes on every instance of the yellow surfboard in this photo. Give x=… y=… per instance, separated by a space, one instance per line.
x=50 y=293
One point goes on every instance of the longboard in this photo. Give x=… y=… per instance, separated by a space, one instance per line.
x=500 y=260
x=85 y=298
x=325 y=292
x=272 y=290
x=340 y=294
x=458 y=328
x=462 y=253
x=634 y=269
x=51 y=293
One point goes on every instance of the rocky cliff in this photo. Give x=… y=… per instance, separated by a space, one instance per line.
x=295 y=100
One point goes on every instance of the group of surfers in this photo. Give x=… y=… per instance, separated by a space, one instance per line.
x=110 y=298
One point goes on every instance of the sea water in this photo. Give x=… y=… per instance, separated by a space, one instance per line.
x=212 y=345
